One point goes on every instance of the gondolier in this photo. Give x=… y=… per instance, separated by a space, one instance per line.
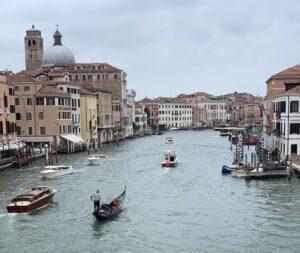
x=96 y=198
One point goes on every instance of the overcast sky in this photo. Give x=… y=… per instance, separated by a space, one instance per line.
x=166 y=47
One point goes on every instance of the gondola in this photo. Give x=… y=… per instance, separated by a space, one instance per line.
x=108 y=211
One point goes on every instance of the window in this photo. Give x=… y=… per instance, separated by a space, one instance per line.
x=42 y=130
x=17 y=101
x=18 y=130
x=5 y=100
x=16 y=88
x=90 y=77
x=11 y=91
x=12 y=109
x=26 y=88
x=294 y=128
x=83 y=77
x=28 y=116
x=29 y=101
x=41 y=115
x=29 y=130
x=50 y=101
x=70 y=77
x=18 y=116
x=294 y=106
x=98 y=77
x=76 y=77
x=294 y=149
x=116 y=76
x=39 y=101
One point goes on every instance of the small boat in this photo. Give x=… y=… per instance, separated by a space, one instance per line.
x=56 y=171
x=112 y=209
x=94 y=159
x=170 y=159
x=174 y=128
x=169 y=140
x=35 y=198
x=227 y=169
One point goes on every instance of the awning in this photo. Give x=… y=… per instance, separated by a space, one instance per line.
x=12 y=146
x=73 y=138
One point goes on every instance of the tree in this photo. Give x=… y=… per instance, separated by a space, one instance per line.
x=136 y=127
x=153 y=127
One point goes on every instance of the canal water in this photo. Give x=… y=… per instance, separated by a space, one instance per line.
x=192 y=208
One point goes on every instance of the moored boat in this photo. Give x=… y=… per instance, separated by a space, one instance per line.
x=35 y=198
x=107 y=211
x=228 y=169
x=56 y=171
x=170 y=159
x=94 y=159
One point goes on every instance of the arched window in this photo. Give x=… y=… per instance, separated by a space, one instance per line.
x=29 y=43
x=33 y=43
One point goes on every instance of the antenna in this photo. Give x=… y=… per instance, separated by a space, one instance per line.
x=57 y=26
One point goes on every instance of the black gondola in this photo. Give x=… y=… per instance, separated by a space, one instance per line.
x=111 y=210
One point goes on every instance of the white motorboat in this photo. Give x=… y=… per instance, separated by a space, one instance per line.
x=170 y=159
x=94 y=159
x=54 y=171
x=170 y=140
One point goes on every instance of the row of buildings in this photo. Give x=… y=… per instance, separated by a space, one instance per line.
x=200 y=109
x=58 y=101
x=281 y=113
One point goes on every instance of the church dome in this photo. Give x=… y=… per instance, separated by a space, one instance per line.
x=58 y=54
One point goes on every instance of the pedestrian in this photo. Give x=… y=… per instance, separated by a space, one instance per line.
x=96 y=198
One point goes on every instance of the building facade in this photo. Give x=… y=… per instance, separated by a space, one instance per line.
x=88 y=110
x=173 y=113
x=216 y=111
x=7 y=114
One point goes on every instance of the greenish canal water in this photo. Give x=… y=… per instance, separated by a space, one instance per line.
x=192 y=208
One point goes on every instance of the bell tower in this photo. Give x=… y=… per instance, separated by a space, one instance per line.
x=34 y=49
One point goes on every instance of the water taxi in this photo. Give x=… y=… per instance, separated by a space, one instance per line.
x=56 y=171
x=35 y=198
x=94 y=159
x=169 y=140
x=170 y=159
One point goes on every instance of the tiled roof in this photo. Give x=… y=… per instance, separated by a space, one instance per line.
x=293 y=91
x=86 y=92
x=289 y=73
x=146 y=100
x=87 y=67
x=20 y=77
x=49 y=91
x=196 y=94
x=169 y=100
x=90 y=86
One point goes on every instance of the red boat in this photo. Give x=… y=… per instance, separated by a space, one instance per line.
x=35 y=198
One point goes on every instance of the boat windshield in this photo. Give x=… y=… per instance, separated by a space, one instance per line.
x=23 y=198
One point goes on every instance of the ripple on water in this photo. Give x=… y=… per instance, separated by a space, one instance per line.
x=191 y=208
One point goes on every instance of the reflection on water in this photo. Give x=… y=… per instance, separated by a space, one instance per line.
x=191 y=208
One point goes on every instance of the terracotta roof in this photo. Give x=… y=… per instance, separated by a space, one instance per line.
x=20 y=77
x=50 y=91
x=145 y=100
x=87 y=67
x=95 y=87
x=86 y=93
x=196 y=94
x=170 y=100
x=289 y=73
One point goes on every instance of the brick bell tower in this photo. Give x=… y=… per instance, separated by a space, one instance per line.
x=34 y=49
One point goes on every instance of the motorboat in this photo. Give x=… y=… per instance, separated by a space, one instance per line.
x=174 y=128
x=35 y=198
x=170 y=159
x=56 y=171
x=94 y=159
x=228 y=169
x=169 y=140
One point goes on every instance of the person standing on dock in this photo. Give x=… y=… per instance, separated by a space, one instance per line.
x=96 y=198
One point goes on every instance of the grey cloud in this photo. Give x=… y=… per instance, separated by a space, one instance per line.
x=165 y=46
